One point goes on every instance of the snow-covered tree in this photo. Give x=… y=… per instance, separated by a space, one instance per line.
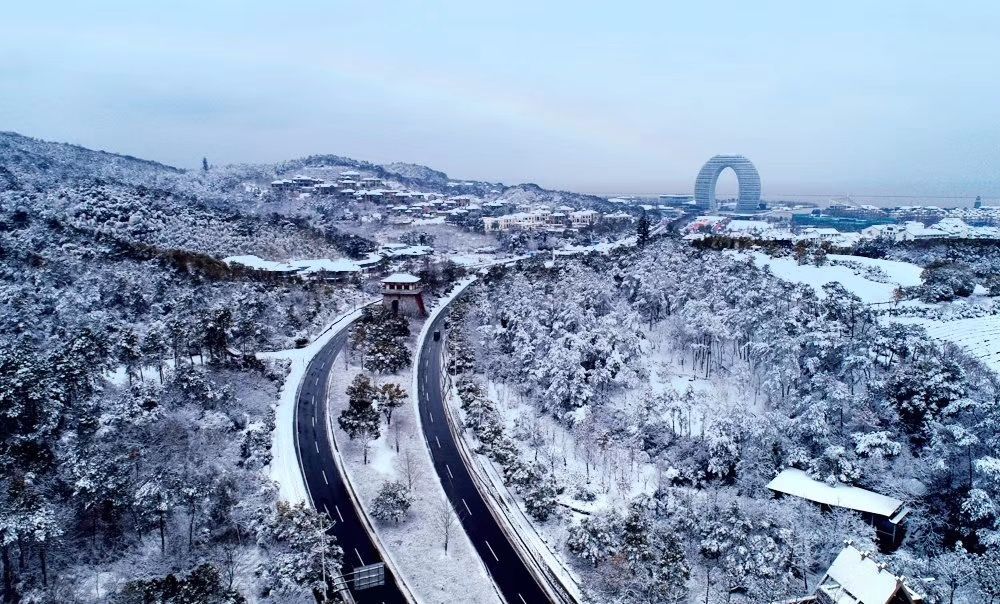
x=392 y=501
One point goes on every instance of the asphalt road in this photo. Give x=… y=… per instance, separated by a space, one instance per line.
x=516 y=583
x=324 y=480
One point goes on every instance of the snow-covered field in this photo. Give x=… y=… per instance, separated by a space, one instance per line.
x=979 y=336
x=871 y=292
x=416 y=543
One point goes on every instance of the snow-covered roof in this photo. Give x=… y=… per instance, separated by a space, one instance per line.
x=748 y=225
x=854 y=577
x=260 y=264
x=401 y=278
x=793 y=481
x=326 y=265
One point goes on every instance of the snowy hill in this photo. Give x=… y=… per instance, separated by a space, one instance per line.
x=416 y=172
x=31 y=164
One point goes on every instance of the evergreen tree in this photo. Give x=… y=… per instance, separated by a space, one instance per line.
x=361 y=419
x=390 y=396
x=204 y=164
x=129 y=352
x=642 y=229
x=540 y=497
x=154 y=347
x=597 y=538
x=392 y=501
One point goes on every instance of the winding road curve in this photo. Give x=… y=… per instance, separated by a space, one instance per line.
x=326 y=485
x=511 y=575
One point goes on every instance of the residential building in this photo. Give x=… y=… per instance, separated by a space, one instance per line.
x=856 y=577
x=885 y=514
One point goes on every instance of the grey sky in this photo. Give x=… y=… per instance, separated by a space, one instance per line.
x=835 y=97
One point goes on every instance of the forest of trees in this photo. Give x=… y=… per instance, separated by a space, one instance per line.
x=816 y=383
x=135 y=422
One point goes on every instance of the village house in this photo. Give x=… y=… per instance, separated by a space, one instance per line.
x=855 y=577
x=885 y=514
x=584 y=218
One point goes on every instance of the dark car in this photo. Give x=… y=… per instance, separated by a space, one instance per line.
x=437 y=336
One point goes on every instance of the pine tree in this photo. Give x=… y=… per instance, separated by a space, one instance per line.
x=154 y=347
x=392 y=501
x=390 y=396
x=129 y=352
x=596 y=538
x=361 y=419
x=642 y=230
x=204 y=164
x=540 y=498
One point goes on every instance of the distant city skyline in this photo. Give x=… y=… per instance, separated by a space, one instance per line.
x=895 y=98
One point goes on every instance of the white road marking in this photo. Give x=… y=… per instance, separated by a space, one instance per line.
x=326 y=509
x=314 y=421
x=338 y=513
x=446 y=467
x=317 y=445
x=437 y=441
x=324 y=477
x=522 y=598
x=491 y=550
x=360 y=559
x=431 y=416
x=313 y=399
x=466 y=506
x=315 y=383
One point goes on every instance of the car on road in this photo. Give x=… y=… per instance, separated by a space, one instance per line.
x=437 y=335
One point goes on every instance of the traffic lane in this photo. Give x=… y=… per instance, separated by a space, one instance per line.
x=327 y=489
x=326 y=484
x=511 y=575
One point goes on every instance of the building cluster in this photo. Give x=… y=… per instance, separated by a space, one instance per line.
x=562 y=219
x=764 y=230
x=977 y=216
x=347 y=183
x=401 y=206
x=911 y=230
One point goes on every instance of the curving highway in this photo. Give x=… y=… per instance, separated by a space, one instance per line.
x=511 y=575
x=324 y=481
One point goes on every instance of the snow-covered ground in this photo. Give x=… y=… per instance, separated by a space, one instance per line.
x=415 y=545
x=602 y=248
x=978 y=336
x=871 y=292
x=904 y=274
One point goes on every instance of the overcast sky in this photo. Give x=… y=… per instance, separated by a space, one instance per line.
x=834 y=97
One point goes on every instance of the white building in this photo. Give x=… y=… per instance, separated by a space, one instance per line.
x=855 y=577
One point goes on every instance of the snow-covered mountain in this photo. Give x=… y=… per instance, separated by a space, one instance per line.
x=31 y=164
